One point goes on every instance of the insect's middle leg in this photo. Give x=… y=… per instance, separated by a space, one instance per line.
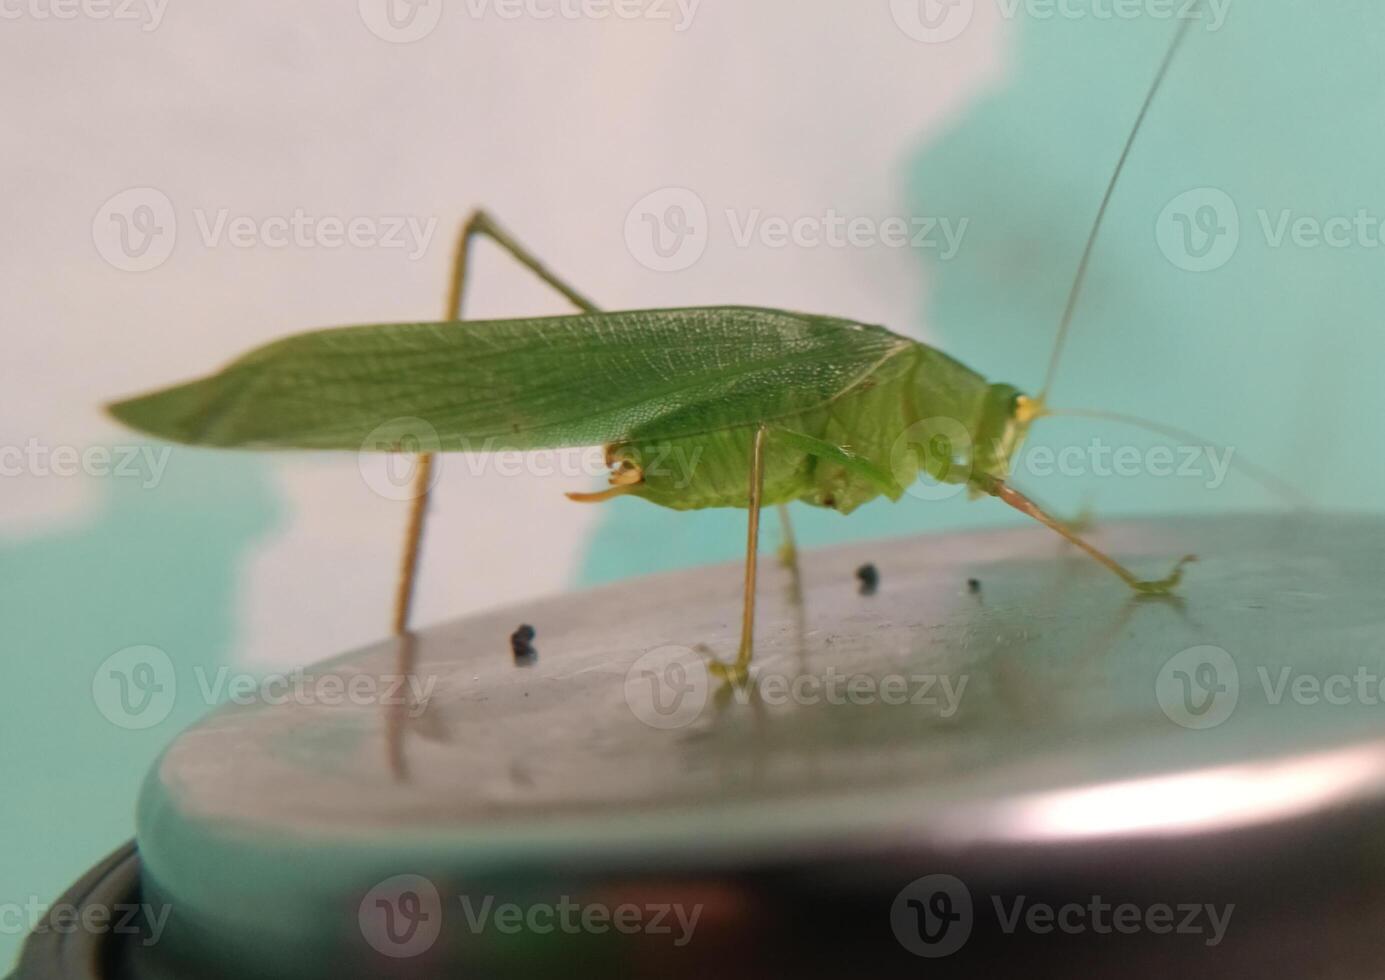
x=738 y=671
x=1003 y=491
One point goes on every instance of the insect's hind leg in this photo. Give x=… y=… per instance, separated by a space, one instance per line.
x=478 y=223
x=1021 y=503
x=738 y=671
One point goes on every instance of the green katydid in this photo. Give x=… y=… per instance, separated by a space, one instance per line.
x=773 y=406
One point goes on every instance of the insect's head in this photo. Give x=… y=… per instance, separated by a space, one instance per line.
x=1006 y=415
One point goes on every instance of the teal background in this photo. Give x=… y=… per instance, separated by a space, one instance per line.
x=155 y=568
x=1278 y=353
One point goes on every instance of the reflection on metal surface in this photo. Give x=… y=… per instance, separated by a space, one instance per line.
x=397 y=714
x=1201 y=801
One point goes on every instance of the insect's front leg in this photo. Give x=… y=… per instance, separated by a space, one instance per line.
x=1008 y=494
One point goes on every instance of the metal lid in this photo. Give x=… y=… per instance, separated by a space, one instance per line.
x=1000 y=719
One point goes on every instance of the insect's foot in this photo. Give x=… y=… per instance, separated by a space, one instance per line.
x=736 y=673
x=1165 y=585
x=732 y=674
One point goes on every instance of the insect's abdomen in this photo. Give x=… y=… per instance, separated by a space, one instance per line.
x=872 y=420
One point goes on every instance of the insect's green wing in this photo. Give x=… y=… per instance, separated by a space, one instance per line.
x=538 y=383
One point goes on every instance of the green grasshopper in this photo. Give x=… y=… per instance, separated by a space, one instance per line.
x=773 y=406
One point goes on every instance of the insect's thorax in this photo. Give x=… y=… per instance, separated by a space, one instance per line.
x=916 y=409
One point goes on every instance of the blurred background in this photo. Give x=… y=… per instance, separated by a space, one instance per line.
x=185 y=180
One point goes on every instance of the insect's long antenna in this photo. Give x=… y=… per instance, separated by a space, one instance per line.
x=1235 y=460
x=1076 y=291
